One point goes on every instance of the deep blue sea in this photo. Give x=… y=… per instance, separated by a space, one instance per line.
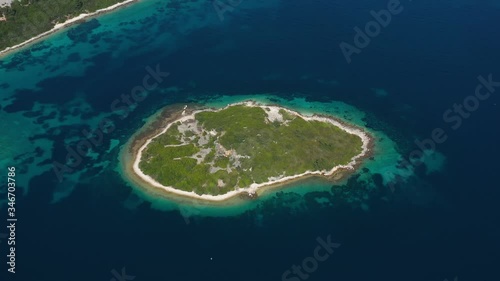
x=435 y=221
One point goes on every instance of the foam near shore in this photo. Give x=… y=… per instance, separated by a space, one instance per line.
x=65 y=24
x=253 y=188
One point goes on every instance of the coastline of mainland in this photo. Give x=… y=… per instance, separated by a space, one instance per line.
x=61 y=26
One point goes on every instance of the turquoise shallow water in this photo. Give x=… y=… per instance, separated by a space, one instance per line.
x=384 y=162
x=426 y=222
x=64 y=55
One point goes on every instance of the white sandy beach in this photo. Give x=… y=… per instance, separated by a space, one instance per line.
x=254 y=187
x=65 y=24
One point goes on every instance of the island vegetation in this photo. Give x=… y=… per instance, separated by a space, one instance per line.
x=25 y=19
x=214 y=152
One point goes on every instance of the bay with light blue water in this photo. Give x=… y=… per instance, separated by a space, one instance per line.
x=413 y=85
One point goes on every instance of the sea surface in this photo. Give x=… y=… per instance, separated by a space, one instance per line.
x=434 y=218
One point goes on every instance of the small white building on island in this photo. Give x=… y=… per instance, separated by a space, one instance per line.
x=4 y=3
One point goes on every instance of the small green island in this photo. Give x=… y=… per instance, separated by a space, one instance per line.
x=216 y=154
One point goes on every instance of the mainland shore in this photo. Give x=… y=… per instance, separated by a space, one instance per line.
x=164 y=119
x=78 y=19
